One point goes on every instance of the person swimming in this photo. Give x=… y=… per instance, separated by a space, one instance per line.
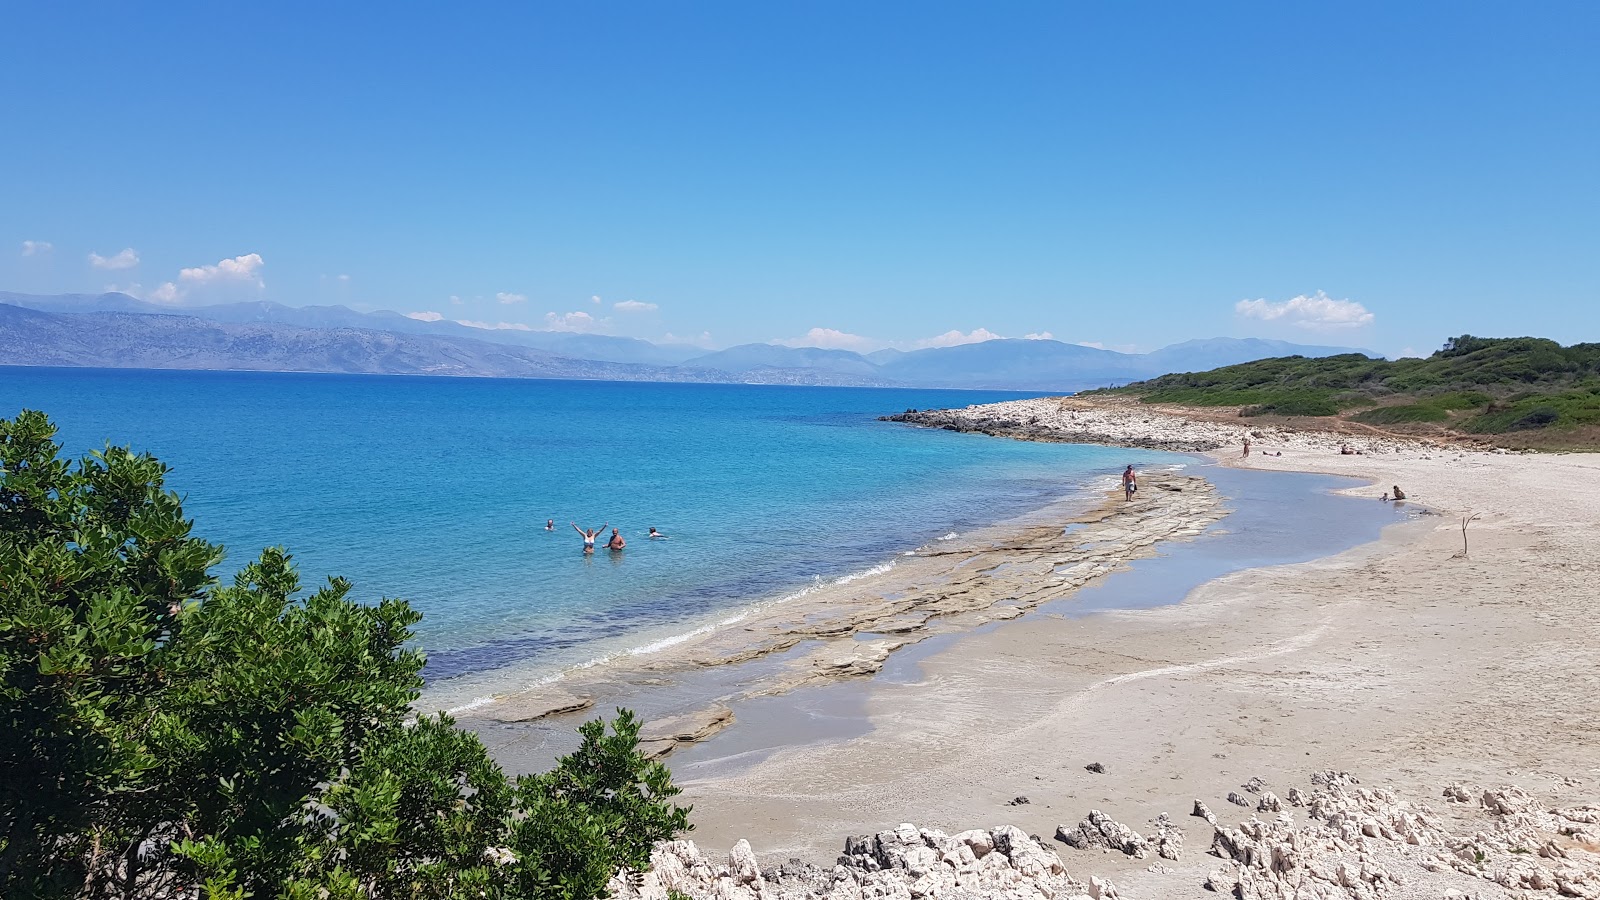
x=616 y=543
x=549 y=524
x=656 y=534
x=588 y=536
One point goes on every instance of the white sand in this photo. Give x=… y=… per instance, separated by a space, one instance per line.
x=1399 y=661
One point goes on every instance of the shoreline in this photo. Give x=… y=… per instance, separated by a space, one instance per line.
x=845 y=629
x=1399 y=661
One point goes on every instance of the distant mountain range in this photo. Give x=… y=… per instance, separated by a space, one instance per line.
x=118 y=331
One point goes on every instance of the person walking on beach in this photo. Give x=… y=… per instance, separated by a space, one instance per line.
x=1246 y=448
x=588 y=536
x=1130 y=482
x=616 y=543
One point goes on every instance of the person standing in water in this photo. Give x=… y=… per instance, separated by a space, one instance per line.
x=616 y=543
x=1130 y=483
x=588 y=536
x=549 y=524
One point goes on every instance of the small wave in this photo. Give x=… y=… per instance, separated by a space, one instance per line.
x=879 y=569
x=669 y=641
x=472 y=704
x=949 y=537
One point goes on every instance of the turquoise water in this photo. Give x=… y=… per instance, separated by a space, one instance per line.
x=437 y=489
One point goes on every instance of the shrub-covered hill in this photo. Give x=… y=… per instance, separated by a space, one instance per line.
x=1473 y=385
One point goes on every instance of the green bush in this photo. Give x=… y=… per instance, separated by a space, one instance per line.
x=1467 y=374
x=163 y=735
x=1394 y=415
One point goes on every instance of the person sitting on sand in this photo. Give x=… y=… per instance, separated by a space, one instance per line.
x=588 y=536
x=656 y=534
x=1130 y=482
x=616 y=543
x=1399 y=494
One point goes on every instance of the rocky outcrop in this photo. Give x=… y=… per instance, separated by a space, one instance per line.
x=1167 y=837
x=658 y=738
x=1099 y=831
x=1031 y=428
x=904 y=864
x=533 y=705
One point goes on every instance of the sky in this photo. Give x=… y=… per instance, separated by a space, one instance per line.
x=1128 y=175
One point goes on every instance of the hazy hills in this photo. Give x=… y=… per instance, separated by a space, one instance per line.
x=118 y=331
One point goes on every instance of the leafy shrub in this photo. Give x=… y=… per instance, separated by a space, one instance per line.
x=1465 y=375
x=1394 y=415
x=1296 y=404
x=163 y=735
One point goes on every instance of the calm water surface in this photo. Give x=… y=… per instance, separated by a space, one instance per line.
x=437 y=489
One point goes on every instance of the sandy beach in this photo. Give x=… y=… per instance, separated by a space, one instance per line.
x=1405 y=663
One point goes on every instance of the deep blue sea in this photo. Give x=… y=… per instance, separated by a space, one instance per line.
x=437 y=489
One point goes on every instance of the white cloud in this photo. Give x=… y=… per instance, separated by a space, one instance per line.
x=36 y=248
x=572 y=321
x=955 y=338
x=127 y=258
x=703 y=339
x=495 y=326
x=1408 y=353
x=832 y=339
x=1318 y=311
x=1039 y=336
x=244 y=269
x=595 y=300
x=228 y=275
x=509 y=298
x=424 y=316
x=634 y=306
x=454 y=300
x=1092 y=344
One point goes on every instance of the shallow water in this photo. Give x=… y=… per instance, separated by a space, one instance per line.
x=1275 y=518
x=437 y=490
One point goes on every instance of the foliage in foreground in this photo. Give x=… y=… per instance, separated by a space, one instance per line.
x=163 y=735
x=1482 y=385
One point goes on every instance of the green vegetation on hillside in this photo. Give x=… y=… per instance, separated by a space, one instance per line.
x=1476 y=385
x=165 y=735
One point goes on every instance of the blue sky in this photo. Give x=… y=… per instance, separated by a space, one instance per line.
x=865 y=174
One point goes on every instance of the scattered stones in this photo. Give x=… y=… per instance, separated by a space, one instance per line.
x=1255 y=785
x=1354 y=844
x=1017 y=801
x=1456 y=793
x=1237 y=799
x=1269 y=803
x=1096 y=768
x=1101 y=832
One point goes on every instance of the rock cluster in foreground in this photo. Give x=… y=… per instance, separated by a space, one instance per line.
x=1336 y=841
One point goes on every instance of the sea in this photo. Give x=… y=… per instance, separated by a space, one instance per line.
x=438 y=490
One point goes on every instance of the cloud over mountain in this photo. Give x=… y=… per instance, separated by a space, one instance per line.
x=1318 y=311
